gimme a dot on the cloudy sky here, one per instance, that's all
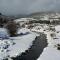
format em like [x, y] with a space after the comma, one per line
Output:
[13, 7]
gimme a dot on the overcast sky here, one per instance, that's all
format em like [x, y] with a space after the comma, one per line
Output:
[13, 7]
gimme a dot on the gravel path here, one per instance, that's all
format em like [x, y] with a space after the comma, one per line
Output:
[35, 50]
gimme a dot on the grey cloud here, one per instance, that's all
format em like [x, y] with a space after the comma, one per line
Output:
[13, 7]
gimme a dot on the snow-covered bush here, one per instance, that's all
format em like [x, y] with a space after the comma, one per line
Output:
[12, 28]
[23, 31]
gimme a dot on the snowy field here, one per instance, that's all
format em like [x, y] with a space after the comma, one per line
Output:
[14, 46]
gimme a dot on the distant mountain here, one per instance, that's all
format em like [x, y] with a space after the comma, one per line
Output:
[41, 13]
[37, 15]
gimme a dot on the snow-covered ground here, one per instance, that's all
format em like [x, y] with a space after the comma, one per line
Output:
[16, 45]
[3, 33]
[51, 52]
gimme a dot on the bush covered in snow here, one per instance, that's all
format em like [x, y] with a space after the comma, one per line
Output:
[12, 28]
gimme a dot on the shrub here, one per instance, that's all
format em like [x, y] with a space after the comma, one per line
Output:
[12, 28]
[58, 46]
[3, 21]
[0, 13]
[52, 35]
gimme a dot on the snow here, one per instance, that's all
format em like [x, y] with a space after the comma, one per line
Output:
[16, 45]
[21, 19]
[23, 31]
[50, 52]
[57, 28]
[24, 20]
[3, 33]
